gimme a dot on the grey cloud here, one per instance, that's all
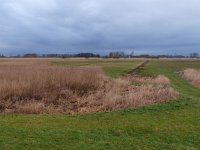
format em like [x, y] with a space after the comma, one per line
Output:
[96, 25]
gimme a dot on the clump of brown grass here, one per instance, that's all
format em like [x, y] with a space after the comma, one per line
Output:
[119, 94]
[27, 84]
[160, 79]
[32, 86]
[192, 76]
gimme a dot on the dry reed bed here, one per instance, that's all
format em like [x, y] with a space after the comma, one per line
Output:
[119, 94]
[192, 76]
[32, 86]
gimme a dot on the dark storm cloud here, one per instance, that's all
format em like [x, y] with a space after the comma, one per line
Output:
[58, 25]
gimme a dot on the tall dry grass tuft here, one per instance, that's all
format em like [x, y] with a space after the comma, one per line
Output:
[26, 84]
[192, 76]
[32, 86]
[119, 94]
[160, 79]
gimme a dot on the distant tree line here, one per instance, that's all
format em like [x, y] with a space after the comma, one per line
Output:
[34, 55]
[116, 54]
[194, 55]
[131, 55]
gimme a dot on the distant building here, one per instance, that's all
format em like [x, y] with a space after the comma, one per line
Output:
[194, 55]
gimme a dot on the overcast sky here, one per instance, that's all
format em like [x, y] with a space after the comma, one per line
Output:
[70, 26]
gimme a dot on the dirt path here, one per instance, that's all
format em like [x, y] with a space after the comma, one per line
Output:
[137, 70]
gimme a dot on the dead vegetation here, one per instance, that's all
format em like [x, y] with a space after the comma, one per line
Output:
[32, 86]
[193, 76]
[119, 94]
[160, 79]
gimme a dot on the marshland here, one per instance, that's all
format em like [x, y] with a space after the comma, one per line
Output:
[90, 99]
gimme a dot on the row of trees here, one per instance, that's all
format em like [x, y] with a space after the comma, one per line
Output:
[124, 55]
[34, 55]
[118, 54]
[194, 55]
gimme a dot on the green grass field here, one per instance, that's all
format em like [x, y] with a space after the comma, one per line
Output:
[112, 67]
[173, 125]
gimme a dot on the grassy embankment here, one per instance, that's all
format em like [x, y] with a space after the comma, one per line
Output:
[174, 125]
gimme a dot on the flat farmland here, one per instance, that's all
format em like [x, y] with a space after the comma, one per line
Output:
[112, 67]
[170, 124]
